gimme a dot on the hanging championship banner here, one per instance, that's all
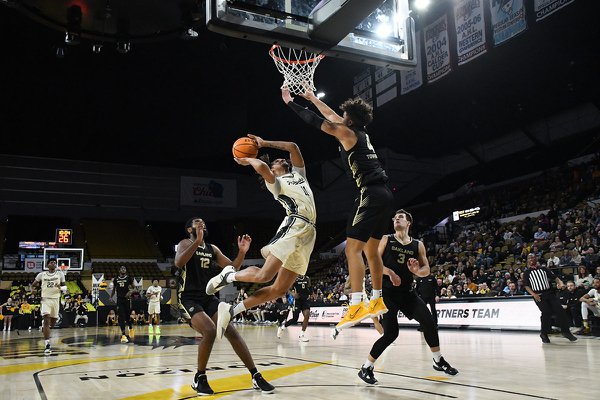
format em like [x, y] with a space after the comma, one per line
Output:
[543, 8]
[508, 19]
[470, 30]
[97, 280]
[437, 49]
[138, 282]
[412, 78]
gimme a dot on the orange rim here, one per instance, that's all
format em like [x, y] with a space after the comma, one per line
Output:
[283, 60]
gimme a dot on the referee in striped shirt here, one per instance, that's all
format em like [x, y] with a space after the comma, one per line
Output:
[537, 283]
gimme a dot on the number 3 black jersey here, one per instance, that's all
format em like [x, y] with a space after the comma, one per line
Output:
[395, 257]
[196, 273]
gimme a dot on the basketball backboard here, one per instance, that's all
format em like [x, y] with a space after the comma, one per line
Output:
[386, 37]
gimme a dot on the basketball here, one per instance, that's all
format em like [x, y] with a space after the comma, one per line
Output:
[244, 147]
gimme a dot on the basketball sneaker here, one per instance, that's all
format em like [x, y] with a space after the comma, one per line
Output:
[366, 374]
[47, 350]
[443, 365]
[220, 281]
[280, 330]
[201, 386]
[569, 335]
[302, 338]
[259, 383]
[124, 339]
[224, 315]
[377, 307]
[355, 314]
[545, 338]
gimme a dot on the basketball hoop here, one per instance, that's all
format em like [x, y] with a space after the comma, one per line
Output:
[297, 67]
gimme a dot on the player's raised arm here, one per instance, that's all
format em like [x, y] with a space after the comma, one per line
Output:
[337, 129]
[291, 147]
[323, 108]
[259, 166]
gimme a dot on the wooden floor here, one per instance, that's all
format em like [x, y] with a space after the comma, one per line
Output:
[90, 363]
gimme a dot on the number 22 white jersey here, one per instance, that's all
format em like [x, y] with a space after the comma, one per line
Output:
[50, 283]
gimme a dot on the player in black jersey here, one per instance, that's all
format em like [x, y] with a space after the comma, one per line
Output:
[301, 291]
[373, 204]
[123, 289]
[199, 262]
[403, 256]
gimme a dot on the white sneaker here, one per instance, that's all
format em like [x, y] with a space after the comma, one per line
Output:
[279, 332]
[335, 333]
[302, 338]
[47, 350]
[220, 281]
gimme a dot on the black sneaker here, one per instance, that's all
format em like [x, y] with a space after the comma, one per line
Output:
[366, 374]
[201, 386]
[569, 336]
[545, 338]
[444, 366]
[48, 350]
[259, 383]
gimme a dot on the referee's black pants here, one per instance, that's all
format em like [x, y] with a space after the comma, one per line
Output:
[550, 305]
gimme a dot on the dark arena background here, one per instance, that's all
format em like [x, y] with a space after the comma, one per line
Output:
[117, 121]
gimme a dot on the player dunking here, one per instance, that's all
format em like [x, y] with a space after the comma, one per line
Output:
[288, 253]
[122, 289]
[197, 260]
[52, 283]
[373, 205]
[403, 256]
[301, 292]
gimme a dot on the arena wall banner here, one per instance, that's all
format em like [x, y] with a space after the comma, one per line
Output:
[543, 8]
[412, 78]
[508, 19]
[470, 30]
[208, 192]
[437, 49]
[517, 314]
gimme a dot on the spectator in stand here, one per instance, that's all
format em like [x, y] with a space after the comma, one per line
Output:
[483, 290]
[566, 258]
[569, 299]
[553, 261]
[583, 278]
[511, 290]
[556, 245]
[449, 293]
[471, 286]
[540, 234]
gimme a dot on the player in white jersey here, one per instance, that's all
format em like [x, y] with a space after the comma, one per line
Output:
[53, 285]
[590, 302]
[154, 296]
[288, 253]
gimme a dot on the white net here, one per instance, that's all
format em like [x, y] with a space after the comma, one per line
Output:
[297, 67]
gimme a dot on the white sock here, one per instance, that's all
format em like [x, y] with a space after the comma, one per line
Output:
[368, 364]
[239, 308]
[355, 298]
[437, 355]
[230, 278]
[376, 294]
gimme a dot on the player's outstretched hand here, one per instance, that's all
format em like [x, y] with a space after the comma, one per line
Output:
[308, 93]
[243, 242]
[259, 141]
[285, 95]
